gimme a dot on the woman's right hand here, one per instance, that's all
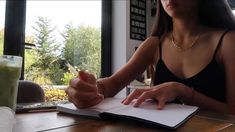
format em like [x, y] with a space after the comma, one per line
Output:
[83, 92]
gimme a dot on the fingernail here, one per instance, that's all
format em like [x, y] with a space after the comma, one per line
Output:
[159, 107]
[136, 105]
[125, 103]
[101, 95]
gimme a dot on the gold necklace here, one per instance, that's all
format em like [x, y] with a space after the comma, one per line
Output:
[182, 48]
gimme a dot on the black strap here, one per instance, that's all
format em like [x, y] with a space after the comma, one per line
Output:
[160, 51]
[219, 43]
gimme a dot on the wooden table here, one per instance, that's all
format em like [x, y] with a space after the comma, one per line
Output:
[58, 122]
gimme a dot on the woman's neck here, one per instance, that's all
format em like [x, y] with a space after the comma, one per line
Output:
[185, 32]
[185, 28]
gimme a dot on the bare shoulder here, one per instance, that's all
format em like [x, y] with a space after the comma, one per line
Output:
[149, 47]
[228, 46]
[150, 42]
[230, 37]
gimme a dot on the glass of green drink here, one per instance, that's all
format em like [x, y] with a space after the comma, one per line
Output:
[10, 70]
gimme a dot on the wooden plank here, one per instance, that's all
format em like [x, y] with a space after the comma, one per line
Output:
[202, 124]
[228, 129]
[53, 122]
[30, 122]
[217, 116]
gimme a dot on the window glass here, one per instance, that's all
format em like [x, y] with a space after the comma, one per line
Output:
[232, 3]
[58, 32]
[2, 24]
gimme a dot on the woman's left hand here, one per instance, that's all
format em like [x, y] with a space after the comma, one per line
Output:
[163, 93]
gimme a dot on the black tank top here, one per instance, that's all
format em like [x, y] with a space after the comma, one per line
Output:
[210, 81]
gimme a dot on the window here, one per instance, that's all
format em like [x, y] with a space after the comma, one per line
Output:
[232, 3]
[2, 17]
[17, 41]
[68, 32]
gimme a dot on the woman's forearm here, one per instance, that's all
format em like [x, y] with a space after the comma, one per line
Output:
[108, 86]
[193, 97]
[207, 103]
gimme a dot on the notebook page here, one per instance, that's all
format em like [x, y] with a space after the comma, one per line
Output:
[171, 115]
[105, 105]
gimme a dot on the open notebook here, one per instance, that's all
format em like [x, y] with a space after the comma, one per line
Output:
[172, 116]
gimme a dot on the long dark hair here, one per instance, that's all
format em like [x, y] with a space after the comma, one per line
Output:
[215, 14]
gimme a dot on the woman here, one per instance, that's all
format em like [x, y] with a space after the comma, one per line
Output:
[192, 49]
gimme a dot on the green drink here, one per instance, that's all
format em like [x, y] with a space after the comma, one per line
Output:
[10, 70]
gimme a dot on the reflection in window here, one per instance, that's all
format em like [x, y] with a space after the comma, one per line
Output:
[64, 31]
[2, 18]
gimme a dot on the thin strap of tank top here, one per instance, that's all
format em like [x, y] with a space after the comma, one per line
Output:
[160, 50]
[219, 43]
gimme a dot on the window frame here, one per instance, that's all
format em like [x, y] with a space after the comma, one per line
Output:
[106, 38]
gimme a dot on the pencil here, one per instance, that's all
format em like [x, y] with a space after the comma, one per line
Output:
[72, 69]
